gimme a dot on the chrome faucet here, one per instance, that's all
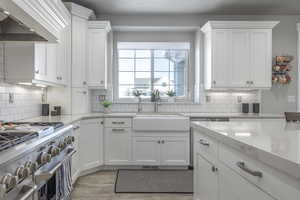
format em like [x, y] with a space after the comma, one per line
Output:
[140, 107]
[155, 97]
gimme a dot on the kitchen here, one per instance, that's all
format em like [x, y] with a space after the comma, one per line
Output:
[102, 101]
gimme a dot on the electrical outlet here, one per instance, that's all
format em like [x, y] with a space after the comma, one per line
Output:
[11, 98]
[101, 97]
[207, 99]
[239, 99]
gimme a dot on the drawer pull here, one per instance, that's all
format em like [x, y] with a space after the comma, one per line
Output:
[118, 122]
[118, 129]
[204, 143]
[243, 167]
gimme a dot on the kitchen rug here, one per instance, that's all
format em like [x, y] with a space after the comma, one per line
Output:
[154, 181]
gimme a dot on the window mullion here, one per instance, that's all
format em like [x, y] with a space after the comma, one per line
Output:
[152, 69]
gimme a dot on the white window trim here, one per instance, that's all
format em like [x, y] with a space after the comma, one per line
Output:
[159, 45]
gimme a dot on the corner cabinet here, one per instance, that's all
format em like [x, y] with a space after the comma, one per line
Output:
[238, 54]
[97, 54]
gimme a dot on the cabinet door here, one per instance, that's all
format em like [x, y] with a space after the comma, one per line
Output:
[1, 62]
[240, 59]
[117, 146]
[97, 58]
[146, 150]
[91, 144]
[40, 68]
[206, 180]
[261, 58]
[63, 57]
[232, 186]
[76, 157]
[221, 70]
[80, 101]
[51, 62]
[175, 151]
[79, 33]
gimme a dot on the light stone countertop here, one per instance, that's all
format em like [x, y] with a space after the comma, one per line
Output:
[68, 119]
[274, 141]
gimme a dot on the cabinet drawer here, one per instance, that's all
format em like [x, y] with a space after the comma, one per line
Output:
[273, 182]
[117, 122]
[205, 145]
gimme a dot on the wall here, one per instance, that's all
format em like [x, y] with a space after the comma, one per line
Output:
[284, 43]
[27, 100]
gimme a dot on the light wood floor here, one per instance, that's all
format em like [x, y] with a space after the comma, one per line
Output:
[100, 186]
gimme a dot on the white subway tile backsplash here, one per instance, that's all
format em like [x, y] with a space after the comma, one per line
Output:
[27, 102]
[221, 102]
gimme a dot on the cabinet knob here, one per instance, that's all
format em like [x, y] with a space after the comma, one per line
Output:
[101, 82]
[158, 141]
[162, 141]
[84, 92]
[57, 78]
[214, 169]
[84, 82]
[37, 71]
[214, 82]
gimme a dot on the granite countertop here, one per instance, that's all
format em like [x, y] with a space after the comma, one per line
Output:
[67, 119]
[275, 142]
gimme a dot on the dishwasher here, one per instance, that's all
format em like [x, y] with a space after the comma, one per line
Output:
[203, 119]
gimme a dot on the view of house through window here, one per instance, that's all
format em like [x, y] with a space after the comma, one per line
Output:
[149, 66]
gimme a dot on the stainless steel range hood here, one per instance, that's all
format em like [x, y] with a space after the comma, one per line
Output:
[12, 29]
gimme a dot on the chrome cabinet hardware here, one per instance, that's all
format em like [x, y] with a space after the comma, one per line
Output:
[243, 167]
[118, 129]
[162, 141]
[214, 169]
[76, 127]
[101, 82]
[37, 71]
[214, 82]
[118, 122]
[158, 141]
[84, 82]
[204, 143]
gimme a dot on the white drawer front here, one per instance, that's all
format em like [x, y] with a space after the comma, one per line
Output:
[275, 183]
[205, 145]
[118, 122]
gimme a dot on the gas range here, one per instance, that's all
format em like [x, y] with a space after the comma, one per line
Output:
[31, 154]
[14, 133]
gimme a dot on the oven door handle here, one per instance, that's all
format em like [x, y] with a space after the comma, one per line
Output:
[47, 175]
[29, 193]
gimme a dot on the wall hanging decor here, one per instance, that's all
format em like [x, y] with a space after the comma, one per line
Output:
[281, 69]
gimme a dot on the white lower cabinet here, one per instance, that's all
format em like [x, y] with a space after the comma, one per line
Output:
[164, 151]
[146, 150]
[234, 187]
[117, 146]
[76, 157]
[91, 143]
[205, 179]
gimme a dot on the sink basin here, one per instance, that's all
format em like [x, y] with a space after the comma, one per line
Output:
[160, 122]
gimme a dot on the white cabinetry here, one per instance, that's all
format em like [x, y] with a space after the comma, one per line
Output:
[161, 150]
[91, 143]
[238, 55]
[76, 157]
[1, 62]
[117, 141]
[97, 54]
[80, 100]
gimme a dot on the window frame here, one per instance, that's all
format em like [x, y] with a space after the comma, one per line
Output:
[185, 98]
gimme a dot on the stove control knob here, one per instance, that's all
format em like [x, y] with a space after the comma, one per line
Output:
[69, 139]
[54, 151]
[72, 139]
[9, 181]
[62, 145]
[32, 166]
[22, 172]
[44, 158]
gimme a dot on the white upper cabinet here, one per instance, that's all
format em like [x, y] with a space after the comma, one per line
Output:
[97, 54]
[238, 54]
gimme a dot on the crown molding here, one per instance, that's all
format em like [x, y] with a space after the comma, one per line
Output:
[79, 10]
[239, 25]
[99, 25]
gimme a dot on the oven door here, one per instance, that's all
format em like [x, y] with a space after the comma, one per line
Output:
[51, 177]
[24, 191]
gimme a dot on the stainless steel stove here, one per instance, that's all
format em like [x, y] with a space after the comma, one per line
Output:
[30, 153]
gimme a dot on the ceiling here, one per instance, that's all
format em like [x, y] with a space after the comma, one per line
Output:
[192, 6]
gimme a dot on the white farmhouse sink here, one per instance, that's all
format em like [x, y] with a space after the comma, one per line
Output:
[160, 122]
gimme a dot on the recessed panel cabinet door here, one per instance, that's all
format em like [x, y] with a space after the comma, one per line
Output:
[40, 69]
[79, 37]
[80, 101]
[146, 150]
[76, 157]
[234, 187]
[117, 146]
[175, 151]
[206, 183]
[91, 144]
[51, 61]
[221, 70]
[261, 58]
[240, 59]
[97, 58]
